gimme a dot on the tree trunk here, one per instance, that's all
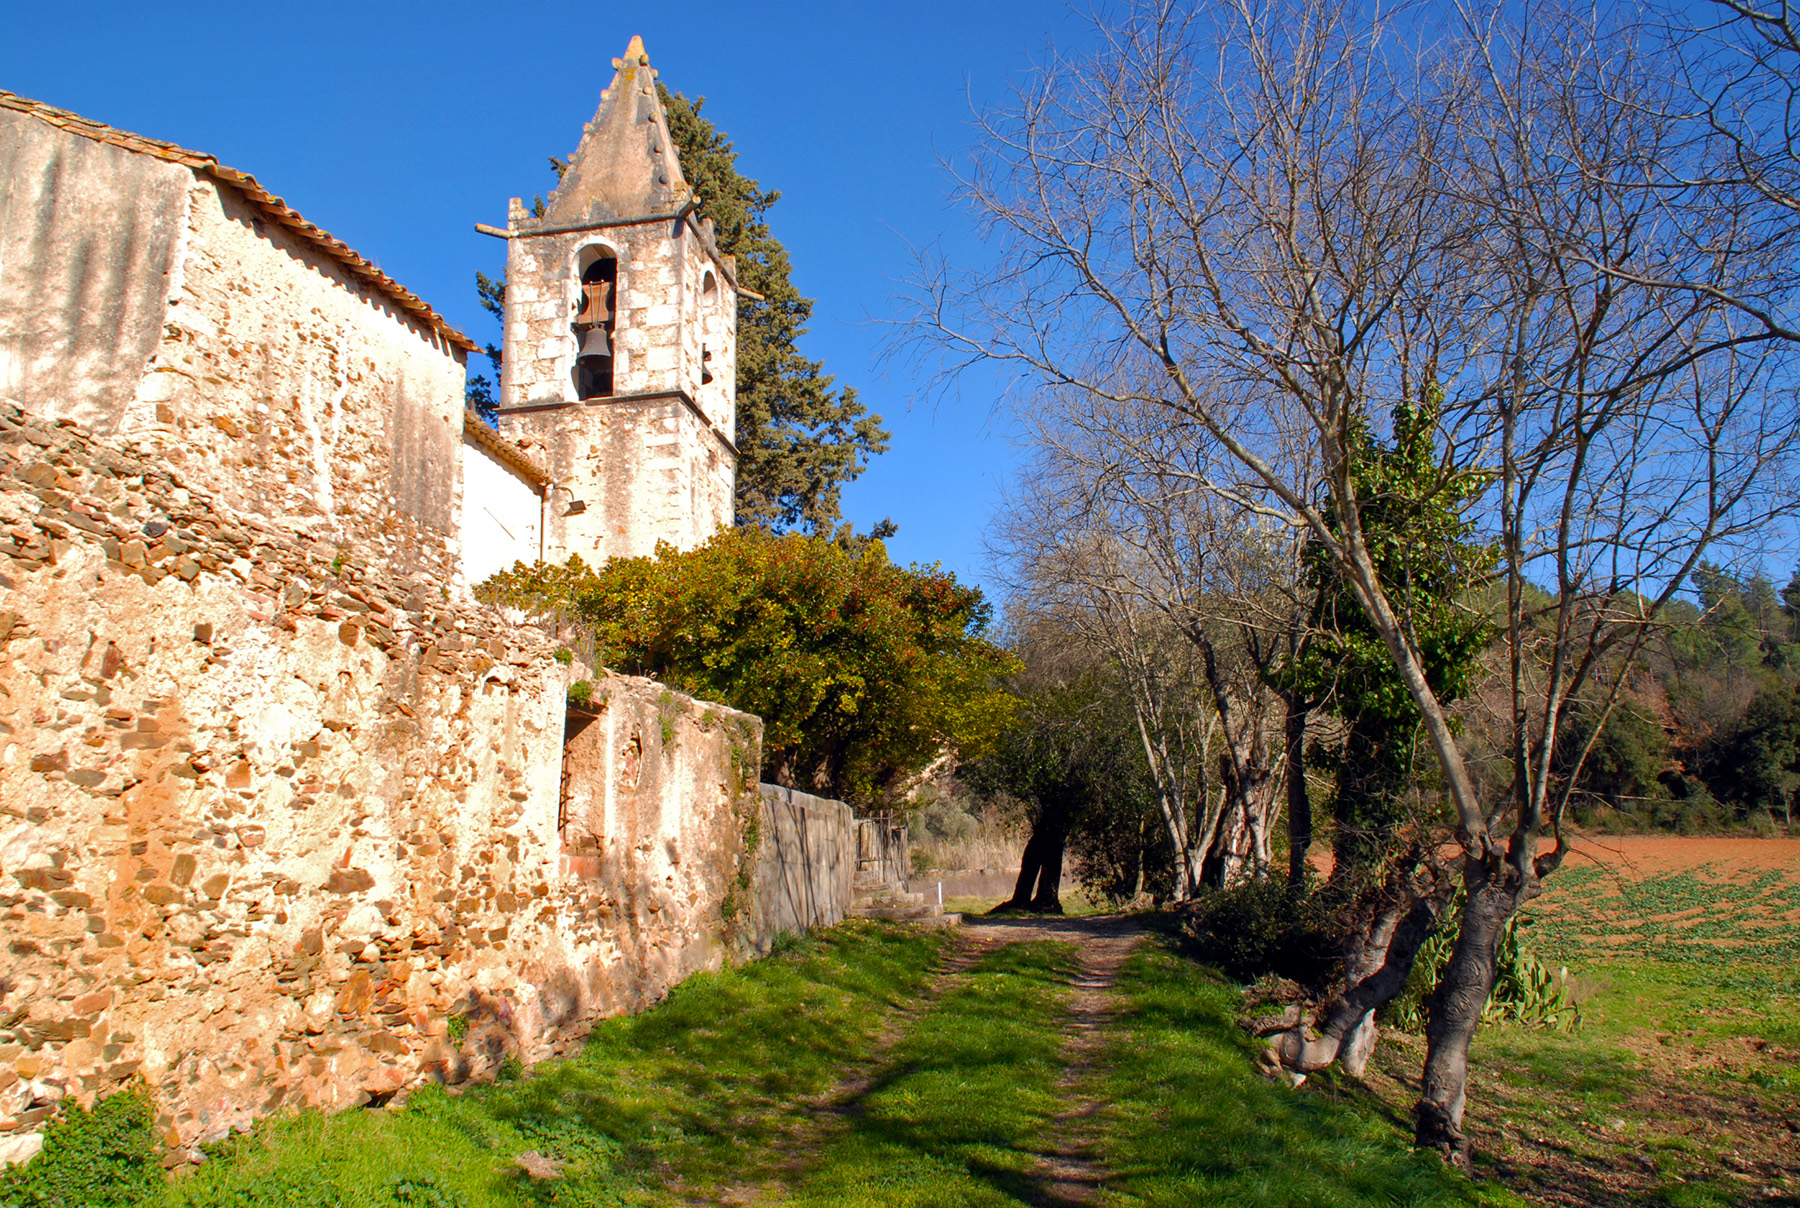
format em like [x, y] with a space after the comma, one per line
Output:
[1048, 898]
[1368, 953]
[1345, 1017]
[1299, 804]
[1040, 868]
[1224, 857]
[1456, 1006]
[1030, 862]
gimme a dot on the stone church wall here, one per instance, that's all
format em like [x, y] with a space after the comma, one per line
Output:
[272, 819]
[289, 389]
[144, 296]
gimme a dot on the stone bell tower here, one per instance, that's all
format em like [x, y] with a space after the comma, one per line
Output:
[619, 365]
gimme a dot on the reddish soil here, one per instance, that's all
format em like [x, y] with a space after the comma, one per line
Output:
[1643, 856]
[1657, 855]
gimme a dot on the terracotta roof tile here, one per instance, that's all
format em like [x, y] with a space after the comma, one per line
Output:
[246, 184]
[477, 430]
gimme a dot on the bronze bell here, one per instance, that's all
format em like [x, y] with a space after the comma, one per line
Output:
[595, 346]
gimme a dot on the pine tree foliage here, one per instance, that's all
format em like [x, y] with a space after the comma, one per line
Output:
[800, 438]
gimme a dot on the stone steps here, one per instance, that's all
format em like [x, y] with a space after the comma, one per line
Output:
[929, 914]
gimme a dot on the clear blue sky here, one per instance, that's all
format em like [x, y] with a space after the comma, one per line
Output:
[398, 126]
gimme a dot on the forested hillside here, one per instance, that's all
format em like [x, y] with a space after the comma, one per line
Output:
[1706, 733]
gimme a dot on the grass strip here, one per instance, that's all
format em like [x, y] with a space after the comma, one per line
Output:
[694, 1092]
[1188, 1121]
[969, 1093]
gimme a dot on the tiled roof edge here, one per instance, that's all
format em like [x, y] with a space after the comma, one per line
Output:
[477, 430]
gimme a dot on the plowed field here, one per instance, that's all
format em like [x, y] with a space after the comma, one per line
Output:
[1691, 900]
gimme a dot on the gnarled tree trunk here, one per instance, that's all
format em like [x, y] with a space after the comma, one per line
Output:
[1495, 892]
[1351, 1014]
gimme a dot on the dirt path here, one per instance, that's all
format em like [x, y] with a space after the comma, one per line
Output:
[1069, 1172]
[822, 1117]
[1069, 1169]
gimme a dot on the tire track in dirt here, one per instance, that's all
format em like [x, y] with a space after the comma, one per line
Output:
[820, 1118]
[1070, 1169]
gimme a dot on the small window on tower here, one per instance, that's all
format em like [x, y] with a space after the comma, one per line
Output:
[709, 324]
[594, 324]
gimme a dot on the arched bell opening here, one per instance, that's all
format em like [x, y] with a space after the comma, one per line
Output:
[596, 312]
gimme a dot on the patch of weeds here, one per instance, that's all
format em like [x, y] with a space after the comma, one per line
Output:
[1700, 1194]
[511, 1070]
[668, 710]
[457, 1027]
[1524, 991]
[339, 561]
[581, 693]
[738, 895]
[278, 1189]
[563, 655]
[110, 1157]
[791, 943]
[1261, 927]
[422, 1191]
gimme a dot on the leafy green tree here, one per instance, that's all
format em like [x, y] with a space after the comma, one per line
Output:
[800, 439]
[1790, 607]
[1728, 622]
[482, 393]
[863, 672]
[1631, 757]
[1073, 759]
[1761, 768]
[1414, 516]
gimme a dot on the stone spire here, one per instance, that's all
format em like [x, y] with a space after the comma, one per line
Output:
[626, 165]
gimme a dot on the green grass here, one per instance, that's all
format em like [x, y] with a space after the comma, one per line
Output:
[1189, 1122]
[691, 1094]
[1075, 903]
[956, 1119]
[1677, 1074]
[724, 1085]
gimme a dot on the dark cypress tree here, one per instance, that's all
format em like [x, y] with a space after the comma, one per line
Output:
[800, 439]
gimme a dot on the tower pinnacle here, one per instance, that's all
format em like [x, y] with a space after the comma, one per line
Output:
[626, 166]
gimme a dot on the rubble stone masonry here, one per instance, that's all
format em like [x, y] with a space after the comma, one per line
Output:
[273, 815]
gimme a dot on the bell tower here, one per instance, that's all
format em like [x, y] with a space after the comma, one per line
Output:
[619, 362]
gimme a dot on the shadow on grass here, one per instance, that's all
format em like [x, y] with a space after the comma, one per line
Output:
[958, 1115]
[690, 1094]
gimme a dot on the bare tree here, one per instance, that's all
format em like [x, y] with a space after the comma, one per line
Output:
[1299, 210]
[1739, 105]
[1067, 557]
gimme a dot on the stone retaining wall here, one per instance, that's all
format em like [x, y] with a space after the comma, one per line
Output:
[271, 819]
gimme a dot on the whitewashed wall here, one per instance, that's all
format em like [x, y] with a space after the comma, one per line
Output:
[501, 515]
